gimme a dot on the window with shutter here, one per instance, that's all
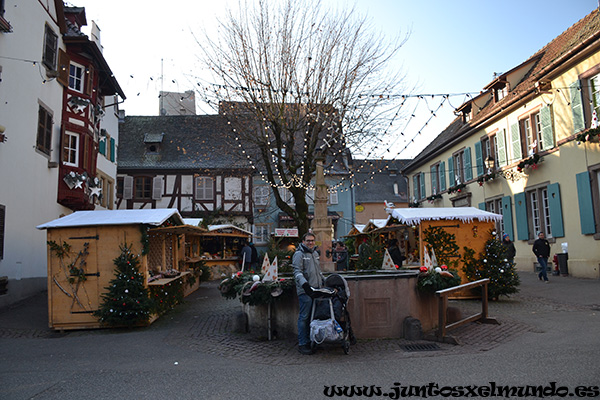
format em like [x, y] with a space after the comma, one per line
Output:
[479, 156]
[127, 187]
[50, 49]
[442, 176]
[157, 187]
[588, 195]
[333, 197]
[468, 164]
[44, 134]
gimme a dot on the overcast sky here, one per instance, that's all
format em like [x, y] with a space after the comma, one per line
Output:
[454, 47]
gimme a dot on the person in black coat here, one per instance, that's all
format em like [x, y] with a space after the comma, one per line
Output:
[395, 253]
[509, 248]
[541, 249]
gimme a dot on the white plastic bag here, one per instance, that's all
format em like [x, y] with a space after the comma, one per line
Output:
[325, 330]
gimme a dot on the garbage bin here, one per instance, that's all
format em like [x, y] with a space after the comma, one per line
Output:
[563, 266]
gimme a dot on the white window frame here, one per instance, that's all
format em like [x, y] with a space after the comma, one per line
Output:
[204, 188]
[333, 197]
[539, 207]
[459, 167]
[71, 149]
[261, 195]
[286, 196]
[495, 206]
[76, 80]
[262, 233]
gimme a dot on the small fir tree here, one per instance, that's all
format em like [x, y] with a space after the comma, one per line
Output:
[443, 244]
[126, 302]
[492, 264]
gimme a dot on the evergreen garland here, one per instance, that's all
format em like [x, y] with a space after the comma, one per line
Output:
[492, 264]
[126, 301]
[254, 292]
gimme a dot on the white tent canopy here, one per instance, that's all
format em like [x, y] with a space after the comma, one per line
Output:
[114, 217]
[414, 216]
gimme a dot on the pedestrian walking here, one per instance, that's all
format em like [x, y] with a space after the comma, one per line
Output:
[541, 249]
[509, 248]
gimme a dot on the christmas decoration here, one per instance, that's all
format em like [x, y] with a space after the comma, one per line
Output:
[255, 292]
[387, 261]
[443, 244]
[492, 264]
[270, 273]
[431, 280]
[126, 301]
[590, 135]
[530, 162]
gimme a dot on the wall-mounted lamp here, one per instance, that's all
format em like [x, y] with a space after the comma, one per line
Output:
[490, 163]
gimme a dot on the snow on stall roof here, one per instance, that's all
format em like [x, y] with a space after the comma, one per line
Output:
[113, 217]
[414, 216]
[226, 226]
[192, 221]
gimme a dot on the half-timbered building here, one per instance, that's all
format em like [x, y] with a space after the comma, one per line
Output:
[189, 162]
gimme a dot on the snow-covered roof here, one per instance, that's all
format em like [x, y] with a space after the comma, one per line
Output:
[414, 216]
[192, 221]
[227, 226]
[378, 223]
[359, 227]
[114, 217]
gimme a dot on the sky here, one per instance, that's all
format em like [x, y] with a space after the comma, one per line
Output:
[454, 47]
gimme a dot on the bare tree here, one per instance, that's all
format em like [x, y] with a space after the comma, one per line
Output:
[298, 81]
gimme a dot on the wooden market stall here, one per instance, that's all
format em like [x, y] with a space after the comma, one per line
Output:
[222, 245]
[94, 240]
[469, 225]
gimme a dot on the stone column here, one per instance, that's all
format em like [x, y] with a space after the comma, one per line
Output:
[321, 224]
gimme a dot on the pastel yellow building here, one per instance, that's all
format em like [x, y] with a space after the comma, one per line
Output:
[527, 148]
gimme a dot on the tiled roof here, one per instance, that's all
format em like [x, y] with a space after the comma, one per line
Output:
[189, 142]
[544, 61]
[380, 185]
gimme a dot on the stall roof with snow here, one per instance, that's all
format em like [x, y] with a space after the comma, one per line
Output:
[414, 216]
[114, 217]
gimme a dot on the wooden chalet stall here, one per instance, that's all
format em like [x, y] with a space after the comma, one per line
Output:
[221, 246]
[470, 226]
[95, 239]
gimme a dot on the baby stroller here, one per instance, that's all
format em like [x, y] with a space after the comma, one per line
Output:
[330, 320]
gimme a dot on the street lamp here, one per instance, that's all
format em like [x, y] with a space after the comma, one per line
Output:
[489, 163]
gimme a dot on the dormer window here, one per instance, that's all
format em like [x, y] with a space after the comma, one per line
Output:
[500, 92]
[153, 142]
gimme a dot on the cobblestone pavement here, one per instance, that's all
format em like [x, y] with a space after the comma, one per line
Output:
[204, 324]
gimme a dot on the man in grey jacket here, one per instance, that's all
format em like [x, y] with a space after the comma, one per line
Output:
[307, 274]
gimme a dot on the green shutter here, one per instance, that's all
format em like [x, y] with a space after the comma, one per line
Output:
[554, 203]
[442, 176]
[521, 216]
[515, 140]
[451, 181]
[481, 206]
[507, 219]
[479, 159]
[102, 147]
[433, 179]
[468, 165]
[501, 142]
[547, 132]
[577, 107]
[586, 207]
[112, 149]
[423, 194]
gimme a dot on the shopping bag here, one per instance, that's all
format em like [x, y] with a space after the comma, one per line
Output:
[325, 330]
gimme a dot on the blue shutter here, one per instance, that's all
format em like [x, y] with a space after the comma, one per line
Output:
[442, 176]
[521, 216]
[586, 207]
[501, 142]
[102, 147]
[479, 159]
[433, 180]
[515, 140]
[112, 149]
[556, 219]
[468, 165]
[451, 181]
[481, 206]
[423, 194]
[577, 107]
[507, 218]
[547, 132]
